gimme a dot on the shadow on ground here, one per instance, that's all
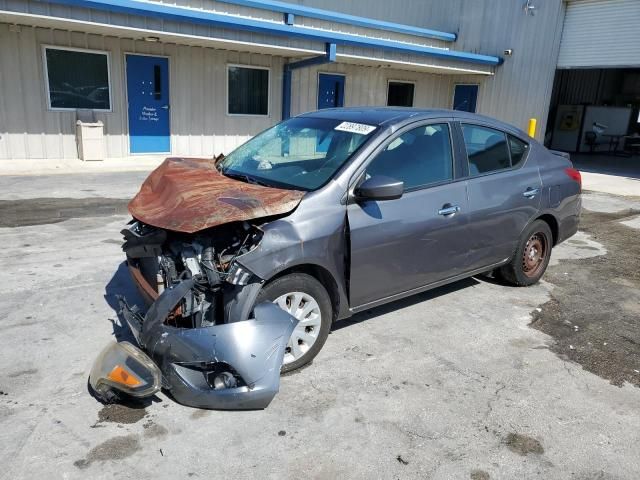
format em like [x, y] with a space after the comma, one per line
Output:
[121, 284]
[619, 166]
[405, 302]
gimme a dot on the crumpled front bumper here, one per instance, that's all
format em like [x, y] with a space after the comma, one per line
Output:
[232, 366]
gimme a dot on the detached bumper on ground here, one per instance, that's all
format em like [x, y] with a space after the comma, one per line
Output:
[231, 366]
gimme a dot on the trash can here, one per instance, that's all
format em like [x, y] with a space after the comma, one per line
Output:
[90, 139]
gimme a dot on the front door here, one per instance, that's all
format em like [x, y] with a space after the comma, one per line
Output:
[465, 98]
[330, 91]
[148, 97]
[420, 238]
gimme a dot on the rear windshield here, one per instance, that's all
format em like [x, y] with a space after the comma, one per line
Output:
[300, 153]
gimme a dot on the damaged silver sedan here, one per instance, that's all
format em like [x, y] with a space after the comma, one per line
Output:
[246, 262]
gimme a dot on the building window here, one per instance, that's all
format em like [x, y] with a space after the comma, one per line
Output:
[400, 94]
[248, 89]
[465, 98]
[77, 79]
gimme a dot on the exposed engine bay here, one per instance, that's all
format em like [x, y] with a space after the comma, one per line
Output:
[164, 258]
[199, 341]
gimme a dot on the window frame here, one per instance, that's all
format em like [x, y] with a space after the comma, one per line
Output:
[45, 67]
[358, 176]
[463, 146]
[252, 67]
[526, 151]
[408, 82]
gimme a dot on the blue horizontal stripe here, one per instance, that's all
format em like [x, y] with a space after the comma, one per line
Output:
[168, 12]
[310, 12]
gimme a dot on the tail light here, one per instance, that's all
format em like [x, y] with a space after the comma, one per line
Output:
[574, 175]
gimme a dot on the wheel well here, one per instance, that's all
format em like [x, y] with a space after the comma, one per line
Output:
[323, 276]
[553, 225]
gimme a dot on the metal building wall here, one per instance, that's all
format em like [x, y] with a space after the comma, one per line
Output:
[520, 89]
[522, 86]
[199, 123]
[102, 18]
[368, 86]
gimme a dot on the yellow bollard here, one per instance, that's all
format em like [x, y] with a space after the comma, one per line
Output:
[532, 127]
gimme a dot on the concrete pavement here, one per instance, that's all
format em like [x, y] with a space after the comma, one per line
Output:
[453, 383]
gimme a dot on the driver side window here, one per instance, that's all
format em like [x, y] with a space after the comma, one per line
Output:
[419, 157]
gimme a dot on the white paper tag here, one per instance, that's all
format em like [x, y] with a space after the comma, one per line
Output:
[359, 128]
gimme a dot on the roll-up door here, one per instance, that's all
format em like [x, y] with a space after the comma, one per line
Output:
[601, 33]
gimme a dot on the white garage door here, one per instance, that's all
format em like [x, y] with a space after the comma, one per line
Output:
[601, 33]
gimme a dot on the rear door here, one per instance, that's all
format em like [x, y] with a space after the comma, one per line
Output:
[420, 238]
[504, 191]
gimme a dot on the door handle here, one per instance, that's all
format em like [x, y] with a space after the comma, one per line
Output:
[448, 210]
[165, 107]
[531, 192]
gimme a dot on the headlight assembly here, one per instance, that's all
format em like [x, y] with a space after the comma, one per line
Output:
[238, 274]
[122, 367]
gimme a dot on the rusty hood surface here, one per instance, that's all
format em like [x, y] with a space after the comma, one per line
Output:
[188, 195]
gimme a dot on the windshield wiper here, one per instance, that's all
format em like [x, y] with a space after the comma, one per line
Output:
[245, 178]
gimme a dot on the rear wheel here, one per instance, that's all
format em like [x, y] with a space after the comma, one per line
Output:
[531, 257]
[305, 298]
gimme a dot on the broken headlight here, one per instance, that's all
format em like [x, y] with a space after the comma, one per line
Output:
[238, 274]
[122, 367]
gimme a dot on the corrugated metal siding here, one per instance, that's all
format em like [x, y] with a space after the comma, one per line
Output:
[368, 86]
[199, 124]
[520, 89]
[149, 23]
[89, 15]
[260, 14]
[577, 86]
[600, 33]
[522, 86]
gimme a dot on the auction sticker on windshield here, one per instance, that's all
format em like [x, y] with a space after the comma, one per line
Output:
[359, 128]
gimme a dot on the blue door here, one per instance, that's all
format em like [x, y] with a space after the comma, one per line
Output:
[330, 95]
[330, 91]
[148, 96]
[465, 98]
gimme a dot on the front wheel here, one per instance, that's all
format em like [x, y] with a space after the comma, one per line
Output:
[532, 256]
[305, 298]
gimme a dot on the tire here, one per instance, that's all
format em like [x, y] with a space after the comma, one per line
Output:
[297, 292]
[531, 258]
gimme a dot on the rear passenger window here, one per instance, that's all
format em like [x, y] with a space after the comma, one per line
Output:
[419, 157]
[487, 149]
[518, 150]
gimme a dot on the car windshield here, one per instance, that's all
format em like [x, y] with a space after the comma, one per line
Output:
[300, 153]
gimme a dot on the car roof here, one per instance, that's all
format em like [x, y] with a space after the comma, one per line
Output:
[391, 116]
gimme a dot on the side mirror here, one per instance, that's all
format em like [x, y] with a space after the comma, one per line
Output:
[379, 187]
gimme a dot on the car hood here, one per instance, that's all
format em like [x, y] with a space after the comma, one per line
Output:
[188, 195]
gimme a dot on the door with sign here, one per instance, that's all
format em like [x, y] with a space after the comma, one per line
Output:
[148, 104]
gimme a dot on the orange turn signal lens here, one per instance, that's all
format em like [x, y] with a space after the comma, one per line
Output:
[120, 375]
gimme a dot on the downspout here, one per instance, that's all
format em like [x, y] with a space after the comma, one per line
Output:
[328, 57]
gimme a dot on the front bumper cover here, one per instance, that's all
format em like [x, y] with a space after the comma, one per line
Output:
[248, 353]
